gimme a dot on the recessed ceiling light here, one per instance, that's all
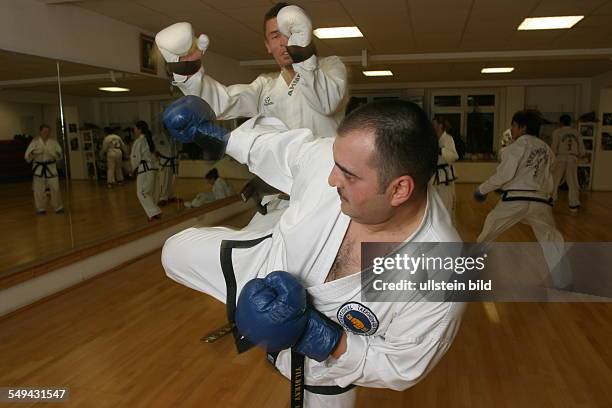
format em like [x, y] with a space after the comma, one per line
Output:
[378, 73]
[337, 32]
[113, 89]
[549, 23]
[497, 70]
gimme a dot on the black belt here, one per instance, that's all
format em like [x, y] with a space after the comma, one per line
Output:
[145, 167]
[242, 344]
[46, 171]
[227, 246]
[525, 198]
[443, 167]
[169, 162]
[315, 389]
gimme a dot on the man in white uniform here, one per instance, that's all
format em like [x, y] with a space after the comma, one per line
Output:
[308, 92]
[568, 147]
[114, 148]
[444, 178]
[525, 178]
[369, 185]
[43, 152]
[168, 167]
[144, 166]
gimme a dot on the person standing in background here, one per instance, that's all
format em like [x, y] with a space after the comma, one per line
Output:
[144, 166]
[168, 167]
[43, 153]
[568, 147]
[113, 147]
[444, 178]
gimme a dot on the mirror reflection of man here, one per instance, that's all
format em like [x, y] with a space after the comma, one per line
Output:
[43, 153]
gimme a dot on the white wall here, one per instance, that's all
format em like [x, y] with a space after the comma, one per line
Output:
[602, 166]
[72, 33]
[19, 118]
[84, 105]
[551, 98]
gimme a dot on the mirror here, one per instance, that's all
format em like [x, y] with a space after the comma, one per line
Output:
[120, 139]
[34, 216]
[95, 208]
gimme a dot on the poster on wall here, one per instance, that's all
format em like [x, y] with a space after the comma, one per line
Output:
[606, 141]
[586, 130]
[74, 144]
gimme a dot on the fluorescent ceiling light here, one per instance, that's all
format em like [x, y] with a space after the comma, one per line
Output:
[378, 73]
[497, 70]
[113, 89]
[549, 23]
[337, 32]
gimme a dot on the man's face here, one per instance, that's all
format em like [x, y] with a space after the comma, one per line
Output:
[276, 44]
[44, 133]
[357, 180]
[516, 130]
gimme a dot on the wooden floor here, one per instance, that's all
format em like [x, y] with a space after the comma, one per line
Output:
[130, 338]
[95, 214]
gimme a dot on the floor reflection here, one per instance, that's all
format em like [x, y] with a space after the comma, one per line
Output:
[96, 213]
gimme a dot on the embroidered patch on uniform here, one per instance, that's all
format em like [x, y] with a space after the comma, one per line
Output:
[358, 319]
[268, 101]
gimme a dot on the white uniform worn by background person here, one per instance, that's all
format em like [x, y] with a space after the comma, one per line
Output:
[525, 176]
[145, 167]
[114, 147]
[168, 166]
[568, 147]
[220, 189]
[407, 338]
[43, 156]
[444, 178]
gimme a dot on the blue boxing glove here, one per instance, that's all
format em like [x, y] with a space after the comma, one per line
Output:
[478, 196]
[273, 312]
[189, 120]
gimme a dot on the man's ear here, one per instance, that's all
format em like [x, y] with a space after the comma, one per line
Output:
[401, 190]
[267, 47]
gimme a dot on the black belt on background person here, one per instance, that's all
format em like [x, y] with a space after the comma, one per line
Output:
[46, 171]
[443, 167]
[505, 197]
[242, 344]
[169, 162]
[145, 167]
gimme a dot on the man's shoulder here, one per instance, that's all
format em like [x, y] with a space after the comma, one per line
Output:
[268, 76]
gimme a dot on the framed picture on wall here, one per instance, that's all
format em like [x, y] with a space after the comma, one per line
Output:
[606, 141]
[587, 130]
[148, 63]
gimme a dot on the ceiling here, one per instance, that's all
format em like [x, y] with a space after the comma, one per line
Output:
[396, 27]
[31, 73]
[390, 27]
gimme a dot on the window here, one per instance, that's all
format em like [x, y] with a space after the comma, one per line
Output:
[472, 116]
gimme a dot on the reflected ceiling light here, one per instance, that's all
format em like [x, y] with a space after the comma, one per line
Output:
[549, 23]
[378, 73]
[497, 70]
[113, 89]
[337, 32]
